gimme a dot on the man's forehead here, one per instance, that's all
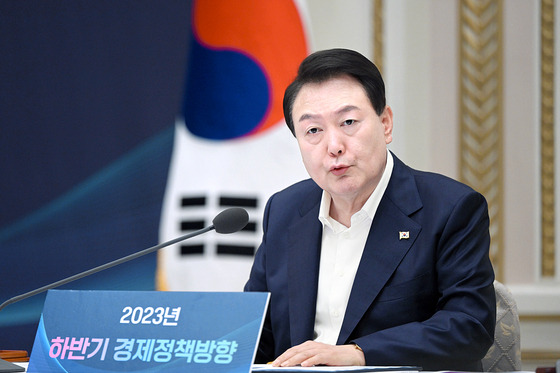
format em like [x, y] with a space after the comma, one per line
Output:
[312, 92]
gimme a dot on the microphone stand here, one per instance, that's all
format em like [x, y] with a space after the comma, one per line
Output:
[103, 267]
[6, 366]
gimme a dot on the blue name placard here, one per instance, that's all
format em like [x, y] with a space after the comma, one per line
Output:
[148, 331]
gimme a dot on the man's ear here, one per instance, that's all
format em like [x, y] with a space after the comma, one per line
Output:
[387, 121]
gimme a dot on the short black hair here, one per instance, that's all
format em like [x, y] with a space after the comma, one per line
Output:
[323, 65]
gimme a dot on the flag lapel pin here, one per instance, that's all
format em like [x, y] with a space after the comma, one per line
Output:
[404, 235]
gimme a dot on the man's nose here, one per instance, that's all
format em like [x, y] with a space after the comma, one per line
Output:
[335, 144]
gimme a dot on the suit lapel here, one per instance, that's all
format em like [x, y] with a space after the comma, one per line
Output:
[384, 247]
[303, 268]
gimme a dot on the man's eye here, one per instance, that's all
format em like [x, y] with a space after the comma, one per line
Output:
[349, 122]
[313, 131]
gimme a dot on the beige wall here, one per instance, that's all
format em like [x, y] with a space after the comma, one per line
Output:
[421, 70]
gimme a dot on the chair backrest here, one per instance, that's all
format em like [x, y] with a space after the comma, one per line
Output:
[505, 353]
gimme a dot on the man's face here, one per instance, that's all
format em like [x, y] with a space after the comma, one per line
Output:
[343, 142]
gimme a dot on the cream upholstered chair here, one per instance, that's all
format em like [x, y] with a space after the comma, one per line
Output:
[505, 353]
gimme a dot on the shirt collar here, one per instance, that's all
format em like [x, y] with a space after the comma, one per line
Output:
[368, 209]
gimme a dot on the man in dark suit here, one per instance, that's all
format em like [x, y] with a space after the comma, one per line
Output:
[369, 262]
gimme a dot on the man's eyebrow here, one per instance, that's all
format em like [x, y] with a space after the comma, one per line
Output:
[342, 110]
[307, 116]
[346, 109]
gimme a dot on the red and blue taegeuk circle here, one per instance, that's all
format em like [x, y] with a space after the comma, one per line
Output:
[242, 56]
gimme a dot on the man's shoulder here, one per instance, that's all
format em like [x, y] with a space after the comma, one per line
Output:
[440, 180]
[432, 180]
[433, 189]
[302, 192]
[293, 201]
[307, 185]
[443, 186]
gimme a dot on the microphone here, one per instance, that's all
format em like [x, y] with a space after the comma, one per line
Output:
[231, 220]
[228, 221]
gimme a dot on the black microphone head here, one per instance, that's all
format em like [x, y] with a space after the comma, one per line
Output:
[231, 220]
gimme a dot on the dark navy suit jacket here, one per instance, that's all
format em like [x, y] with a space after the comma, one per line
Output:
[426, 300]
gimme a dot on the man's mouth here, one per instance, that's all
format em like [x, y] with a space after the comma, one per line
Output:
[339, 170]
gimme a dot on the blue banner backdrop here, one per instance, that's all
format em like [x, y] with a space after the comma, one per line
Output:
[89, 92]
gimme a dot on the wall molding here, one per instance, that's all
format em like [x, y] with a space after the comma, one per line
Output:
[548, 248]
[540, 355]
[480, 111]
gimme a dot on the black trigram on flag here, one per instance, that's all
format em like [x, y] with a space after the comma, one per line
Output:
[193, 220]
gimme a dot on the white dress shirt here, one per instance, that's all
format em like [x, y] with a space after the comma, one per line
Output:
[341, 252]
